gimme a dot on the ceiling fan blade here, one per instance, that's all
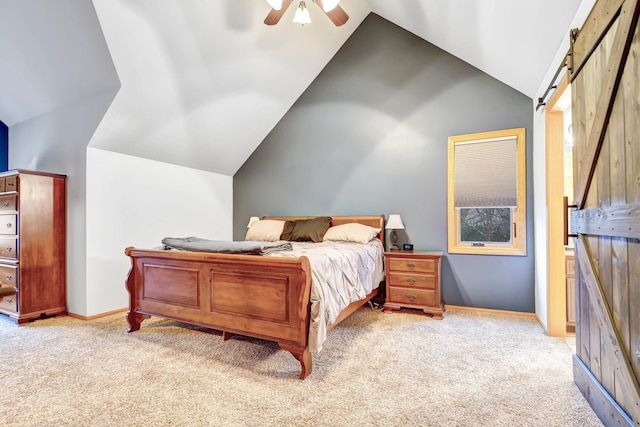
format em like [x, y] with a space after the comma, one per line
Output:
[337, 15]
[274, 15]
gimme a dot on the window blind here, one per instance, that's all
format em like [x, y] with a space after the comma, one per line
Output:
[486, 173]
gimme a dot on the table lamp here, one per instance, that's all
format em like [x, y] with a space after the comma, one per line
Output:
[394, 223]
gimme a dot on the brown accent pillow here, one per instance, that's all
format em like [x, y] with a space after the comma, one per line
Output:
[306, 230]
[287, 230]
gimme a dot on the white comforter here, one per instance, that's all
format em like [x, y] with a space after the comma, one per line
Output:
[342, 272]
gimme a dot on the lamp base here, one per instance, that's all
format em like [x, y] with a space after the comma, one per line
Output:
[394, 241]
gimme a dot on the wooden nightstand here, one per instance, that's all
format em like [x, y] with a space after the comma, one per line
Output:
[413, 281]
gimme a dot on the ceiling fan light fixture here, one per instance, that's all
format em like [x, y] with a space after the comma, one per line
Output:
[329, 5]
[275, 4]
[302, 14]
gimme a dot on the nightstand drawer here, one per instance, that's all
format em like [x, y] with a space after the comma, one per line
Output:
[412, 296]
[408, 264]
[422, 281]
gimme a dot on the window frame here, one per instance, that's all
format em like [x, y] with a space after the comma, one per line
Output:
[517, 246]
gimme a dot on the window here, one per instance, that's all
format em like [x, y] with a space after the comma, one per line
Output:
[487, 193]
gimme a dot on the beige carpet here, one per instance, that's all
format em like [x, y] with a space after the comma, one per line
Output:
[376, 369]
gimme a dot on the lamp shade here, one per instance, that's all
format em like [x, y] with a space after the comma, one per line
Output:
[394, 222]
[276, 4]
[252, 220]
[302, 14]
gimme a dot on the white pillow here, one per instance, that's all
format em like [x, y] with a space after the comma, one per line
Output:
[351, 232]
[266, 230]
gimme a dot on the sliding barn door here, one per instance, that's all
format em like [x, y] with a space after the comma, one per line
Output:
[604, 70]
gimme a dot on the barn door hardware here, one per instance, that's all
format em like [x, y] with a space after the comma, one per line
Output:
[552, 85]
[567, 206]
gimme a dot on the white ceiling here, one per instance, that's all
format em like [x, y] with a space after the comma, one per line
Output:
[204, 81]
[52, 54]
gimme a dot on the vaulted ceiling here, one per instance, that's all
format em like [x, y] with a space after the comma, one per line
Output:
[204, 81]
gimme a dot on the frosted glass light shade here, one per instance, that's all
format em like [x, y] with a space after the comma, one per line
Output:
[302, 14]
[394, 222]
[329, 5]
[252, 220]
[276, 4]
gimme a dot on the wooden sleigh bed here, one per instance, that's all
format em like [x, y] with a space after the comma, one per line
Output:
[258, 296]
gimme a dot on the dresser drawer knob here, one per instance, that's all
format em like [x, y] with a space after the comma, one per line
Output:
[9, 248]
[9, 277]
[9, 299]
[411, 280]
[411, 297]
[9, 225]
[6, 204]
[411, 265]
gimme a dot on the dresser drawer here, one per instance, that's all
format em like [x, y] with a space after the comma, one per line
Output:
[8, 224]
[421, 281]
[412, 296]
[11, 183]
[8, 279]
[8, 247]
[9, 303]
[408, 264]
[8, 203]
[8, 275]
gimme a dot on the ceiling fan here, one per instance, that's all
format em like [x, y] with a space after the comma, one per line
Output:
[336, 14]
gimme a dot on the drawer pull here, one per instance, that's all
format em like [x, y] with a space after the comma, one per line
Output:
[9, 248]
[9, 299]
[9, 277]
[411, 265]
[411, 280]
[6, 204]
[9, 225]
[411, 297]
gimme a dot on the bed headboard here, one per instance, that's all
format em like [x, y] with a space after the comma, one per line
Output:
[376, 221]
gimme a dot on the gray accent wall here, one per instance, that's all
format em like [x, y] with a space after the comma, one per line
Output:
[369, 136]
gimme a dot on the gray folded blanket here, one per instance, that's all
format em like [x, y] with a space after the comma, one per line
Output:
[226, 247]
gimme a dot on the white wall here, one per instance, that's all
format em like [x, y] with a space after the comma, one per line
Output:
[115, 200]
[56, 142]
[539, 169]
[136, 202]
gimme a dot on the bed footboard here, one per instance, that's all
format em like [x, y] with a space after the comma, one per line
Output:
[261, 297]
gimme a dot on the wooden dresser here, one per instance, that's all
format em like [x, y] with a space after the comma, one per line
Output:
[413, 281]
[32, 245]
